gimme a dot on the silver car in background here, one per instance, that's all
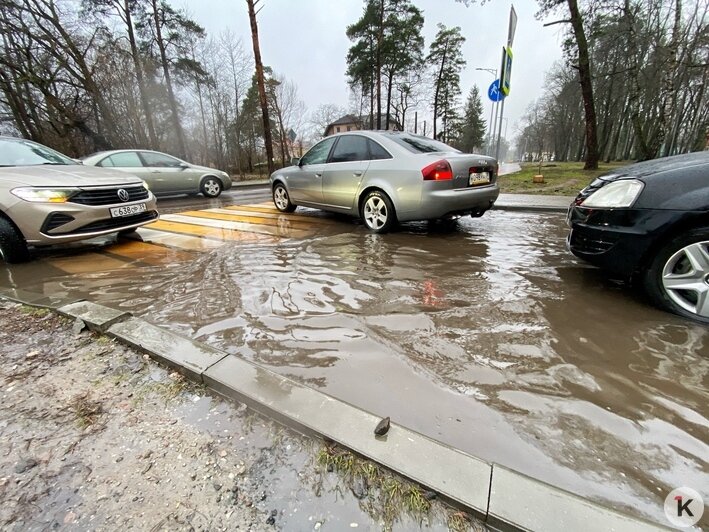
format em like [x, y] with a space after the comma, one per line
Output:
[385, 177]
[47, 198]
[164, 174]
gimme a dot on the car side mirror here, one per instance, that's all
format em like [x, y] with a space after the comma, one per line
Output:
[295, 161]
[78, 161]
[183, 166]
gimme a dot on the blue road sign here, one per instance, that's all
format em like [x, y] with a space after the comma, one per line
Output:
[494, 92]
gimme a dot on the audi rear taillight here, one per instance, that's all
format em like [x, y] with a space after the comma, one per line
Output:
[438, 171]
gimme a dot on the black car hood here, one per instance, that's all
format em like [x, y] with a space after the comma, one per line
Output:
[658, 166]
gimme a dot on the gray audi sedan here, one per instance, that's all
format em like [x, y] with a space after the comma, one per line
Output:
[164, 174]
[47, 198]
[385, 177]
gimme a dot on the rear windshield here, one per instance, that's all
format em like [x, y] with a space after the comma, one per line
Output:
[26, 153]
[418, 144]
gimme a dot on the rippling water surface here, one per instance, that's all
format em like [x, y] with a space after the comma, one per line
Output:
[488, 336]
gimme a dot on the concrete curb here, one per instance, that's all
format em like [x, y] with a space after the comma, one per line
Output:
[500, 205]
[530, 208]
[256, 183]
[507, 500]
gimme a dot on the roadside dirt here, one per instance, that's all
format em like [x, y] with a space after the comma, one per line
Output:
[94, 435]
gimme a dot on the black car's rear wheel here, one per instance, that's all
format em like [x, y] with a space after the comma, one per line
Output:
[377, 212]
[678, 277]
[13, 247]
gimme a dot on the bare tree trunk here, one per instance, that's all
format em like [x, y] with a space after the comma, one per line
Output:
[586, 80]
[137, 64]
[380, 38]
[438, 90]
[172, 100]
[261, 85]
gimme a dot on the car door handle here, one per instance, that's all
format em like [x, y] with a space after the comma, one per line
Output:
[318, 175]
[358, 174]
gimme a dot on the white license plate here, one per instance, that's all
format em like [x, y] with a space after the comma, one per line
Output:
[128, 210]
[479, 178]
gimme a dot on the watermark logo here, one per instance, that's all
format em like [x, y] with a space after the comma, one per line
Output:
[684, 507]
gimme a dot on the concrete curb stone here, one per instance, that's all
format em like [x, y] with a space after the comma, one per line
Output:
[186, 356]
[97, 317]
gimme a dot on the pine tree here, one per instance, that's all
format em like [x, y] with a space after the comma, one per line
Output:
[388, 43]
[446, 58]
[471, 135]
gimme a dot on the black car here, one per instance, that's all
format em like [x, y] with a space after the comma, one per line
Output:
[649, 223]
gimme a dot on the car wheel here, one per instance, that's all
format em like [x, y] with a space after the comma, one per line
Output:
[377, 212]
[281, 199]
[678, 277]
[13, 247]
[211, 187]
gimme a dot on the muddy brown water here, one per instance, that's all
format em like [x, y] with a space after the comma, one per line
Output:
[487, 336]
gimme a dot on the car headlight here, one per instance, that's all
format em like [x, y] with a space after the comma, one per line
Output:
[621, 193]
[146, 186]
[44, 195]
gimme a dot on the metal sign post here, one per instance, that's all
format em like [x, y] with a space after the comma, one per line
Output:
[505, 74]
[495, 95]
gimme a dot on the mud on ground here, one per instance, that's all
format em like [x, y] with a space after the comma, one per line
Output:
[94, 435]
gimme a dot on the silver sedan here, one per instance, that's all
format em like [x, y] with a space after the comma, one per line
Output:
[385, 177]
[164, 174]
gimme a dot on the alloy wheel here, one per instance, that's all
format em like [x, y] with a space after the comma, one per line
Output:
[375, 212]
[280, 197]
[685, 278]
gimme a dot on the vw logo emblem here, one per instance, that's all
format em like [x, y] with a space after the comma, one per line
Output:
[123, 195]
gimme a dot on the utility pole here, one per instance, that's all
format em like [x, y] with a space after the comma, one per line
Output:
[493, 109]
[261, 84]
[416, 123]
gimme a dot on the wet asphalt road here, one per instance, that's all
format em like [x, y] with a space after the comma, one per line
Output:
[487, 335]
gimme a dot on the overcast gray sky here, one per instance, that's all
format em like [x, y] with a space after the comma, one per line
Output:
[305, 41]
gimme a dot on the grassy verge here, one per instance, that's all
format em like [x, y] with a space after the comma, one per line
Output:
[559, 178]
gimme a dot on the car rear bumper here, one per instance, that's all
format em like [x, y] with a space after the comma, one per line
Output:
[618, 240]
[441, 203]
[54, 223]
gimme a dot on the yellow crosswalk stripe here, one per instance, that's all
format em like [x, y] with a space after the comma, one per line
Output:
[208, 232]
[87, 263]
[283, 231]
[147, 252]
[231, 216]
[319, 217]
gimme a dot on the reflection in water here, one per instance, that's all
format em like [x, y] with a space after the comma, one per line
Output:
[488, 336]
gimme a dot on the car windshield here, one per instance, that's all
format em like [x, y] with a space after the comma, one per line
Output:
[419, 144]
[19, 152]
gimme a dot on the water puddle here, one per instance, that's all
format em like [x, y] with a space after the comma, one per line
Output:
[488, 336]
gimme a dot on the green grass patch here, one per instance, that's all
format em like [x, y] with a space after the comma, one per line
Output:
[34, 312]
[388, 495]
[566, 178]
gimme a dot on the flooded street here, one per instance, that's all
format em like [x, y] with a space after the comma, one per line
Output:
[486, 335]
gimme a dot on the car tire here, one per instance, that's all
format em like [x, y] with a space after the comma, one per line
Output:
[13, 248]
[678, 277]
[281, 198]
[377, 212]
[211, 187]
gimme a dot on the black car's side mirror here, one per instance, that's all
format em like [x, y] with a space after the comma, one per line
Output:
[295, 161]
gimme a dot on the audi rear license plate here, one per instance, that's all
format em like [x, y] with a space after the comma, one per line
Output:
[128, 210]
[478, 178]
